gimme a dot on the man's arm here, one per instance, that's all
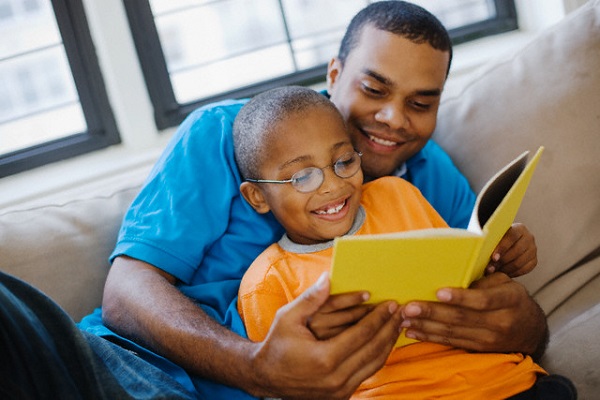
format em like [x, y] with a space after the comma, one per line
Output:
[496, 314]
[141, 302]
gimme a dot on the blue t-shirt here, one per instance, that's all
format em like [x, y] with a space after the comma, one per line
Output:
[191, 221]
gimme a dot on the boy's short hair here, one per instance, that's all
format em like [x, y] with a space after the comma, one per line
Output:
[400, 18]
[259, 119]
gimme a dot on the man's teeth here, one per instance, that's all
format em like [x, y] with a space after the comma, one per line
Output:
[382, 141]
[332, 210]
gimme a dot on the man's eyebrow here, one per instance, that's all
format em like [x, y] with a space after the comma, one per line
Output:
[377, 77]
[386, 81]
[429, 92]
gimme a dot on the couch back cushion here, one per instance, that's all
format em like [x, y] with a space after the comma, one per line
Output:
[62, 247]
[547, 93]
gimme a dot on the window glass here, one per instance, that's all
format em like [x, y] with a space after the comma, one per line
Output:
[214, 47]
[39, 99]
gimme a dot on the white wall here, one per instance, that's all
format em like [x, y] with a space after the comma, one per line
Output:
[142, 142]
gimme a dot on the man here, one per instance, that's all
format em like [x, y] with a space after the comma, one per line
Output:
[188, 237]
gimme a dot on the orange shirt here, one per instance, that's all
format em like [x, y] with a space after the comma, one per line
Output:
[420, 370]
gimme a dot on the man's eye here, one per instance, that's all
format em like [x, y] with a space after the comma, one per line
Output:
[421, 106]
[371, 90]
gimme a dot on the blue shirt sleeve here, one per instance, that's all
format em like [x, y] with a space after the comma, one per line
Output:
[189, 218]
[441, 183]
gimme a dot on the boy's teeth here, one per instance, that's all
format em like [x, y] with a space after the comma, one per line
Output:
[382, 141]
[332, 210]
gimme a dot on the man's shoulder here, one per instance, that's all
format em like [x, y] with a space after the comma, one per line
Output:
[431, 153]
[225, 107]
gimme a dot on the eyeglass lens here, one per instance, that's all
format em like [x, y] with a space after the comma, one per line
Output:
[309, 179]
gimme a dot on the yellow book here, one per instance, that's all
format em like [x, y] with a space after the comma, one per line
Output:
[413, 265]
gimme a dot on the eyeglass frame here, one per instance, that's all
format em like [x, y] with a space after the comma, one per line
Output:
[292, 179]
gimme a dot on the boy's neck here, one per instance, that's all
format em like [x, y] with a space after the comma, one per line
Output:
[288, 245]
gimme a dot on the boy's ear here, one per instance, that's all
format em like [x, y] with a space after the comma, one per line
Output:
[333, 70]
[254, 195]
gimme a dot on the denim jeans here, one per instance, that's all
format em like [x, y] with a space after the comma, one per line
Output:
[550, 387]
[43, 355]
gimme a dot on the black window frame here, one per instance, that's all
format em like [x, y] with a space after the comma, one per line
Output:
[168, 112]
[101, 126]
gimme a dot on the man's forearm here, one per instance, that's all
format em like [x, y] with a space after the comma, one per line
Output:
[544, 337]
[172, 325]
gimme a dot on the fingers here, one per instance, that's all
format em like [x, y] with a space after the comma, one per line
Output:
[338, 312]
[344, 301]
[327, 325]
[372, 339]
[490, 316]
[516, 254]
[309, 302]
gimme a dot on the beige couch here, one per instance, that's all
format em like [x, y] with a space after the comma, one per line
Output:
[545, 94]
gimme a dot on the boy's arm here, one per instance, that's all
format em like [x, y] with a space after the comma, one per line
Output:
[141, 302]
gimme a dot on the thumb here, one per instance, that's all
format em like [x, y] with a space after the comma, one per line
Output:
[309, 302]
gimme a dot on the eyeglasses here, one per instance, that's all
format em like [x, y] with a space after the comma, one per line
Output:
[310, 179]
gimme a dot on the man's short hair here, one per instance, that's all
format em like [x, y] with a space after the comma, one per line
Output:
[400, 18]
[258, 121]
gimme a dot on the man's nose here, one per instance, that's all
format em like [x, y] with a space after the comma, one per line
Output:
[392, 115]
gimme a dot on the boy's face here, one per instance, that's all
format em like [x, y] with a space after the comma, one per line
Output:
[317, 138]
[388, 91]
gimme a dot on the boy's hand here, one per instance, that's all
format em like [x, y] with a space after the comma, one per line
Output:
[338, 313]
[516, 254]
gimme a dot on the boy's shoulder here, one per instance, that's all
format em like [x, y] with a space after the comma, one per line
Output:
[391, 184]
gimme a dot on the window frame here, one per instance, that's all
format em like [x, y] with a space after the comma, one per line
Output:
[168, 112]
[101, 125]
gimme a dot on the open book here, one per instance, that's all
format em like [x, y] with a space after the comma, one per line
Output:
[413, 265]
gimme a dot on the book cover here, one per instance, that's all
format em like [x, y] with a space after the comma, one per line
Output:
[413, 265]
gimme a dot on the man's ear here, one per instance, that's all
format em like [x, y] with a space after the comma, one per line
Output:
[333, 71]
[255, 197]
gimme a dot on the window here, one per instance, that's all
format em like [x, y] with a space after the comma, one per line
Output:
[191, 51]
[53, 104]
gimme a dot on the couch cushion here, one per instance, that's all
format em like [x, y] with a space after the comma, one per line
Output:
[547, 93]
[62, 247]
[574, 344]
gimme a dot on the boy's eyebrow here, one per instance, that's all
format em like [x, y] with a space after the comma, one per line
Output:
[296, 160]
[386, 81]
[300, 159]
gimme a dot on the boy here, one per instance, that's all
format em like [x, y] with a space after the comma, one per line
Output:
[292, 148]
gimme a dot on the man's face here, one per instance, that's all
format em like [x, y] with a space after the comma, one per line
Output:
[389, 92]
[317, 138]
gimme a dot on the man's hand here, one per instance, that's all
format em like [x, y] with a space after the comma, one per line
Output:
[338, 313]
[292, 359]
[516, 254]
[495, 315]
[143, 303]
